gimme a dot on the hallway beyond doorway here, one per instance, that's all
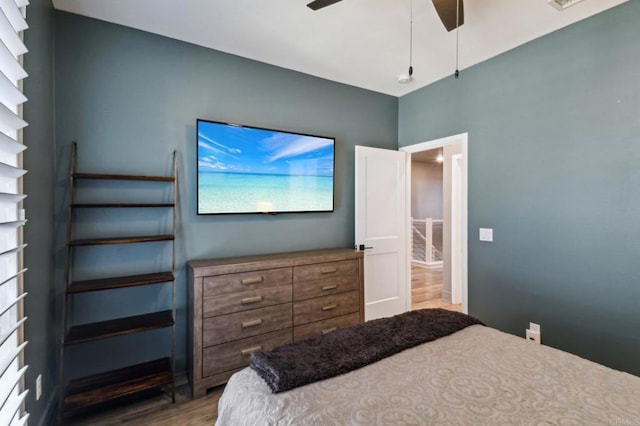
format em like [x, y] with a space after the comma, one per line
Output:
[426, 289]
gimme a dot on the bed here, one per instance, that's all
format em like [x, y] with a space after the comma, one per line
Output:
[475, 376]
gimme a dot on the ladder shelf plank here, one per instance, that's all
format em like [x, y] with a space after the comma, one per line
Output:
[107, 176]
[120, 205]
[99, 388]
[118, 327]
[119, 282]
[121, 240]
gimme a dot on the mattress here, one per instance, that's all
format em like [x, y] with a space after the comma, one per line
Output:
[476, 376]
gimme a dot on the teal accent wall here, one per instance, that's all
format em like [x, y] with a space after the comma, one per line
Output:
[41, 327]
[554, 154]
[129, 98]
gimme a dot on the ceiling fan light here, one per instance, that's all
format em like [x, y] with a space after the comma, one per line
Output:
[562, 4]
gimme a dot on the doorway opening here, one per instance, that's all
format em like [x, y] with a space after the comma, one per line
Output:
[437, 223]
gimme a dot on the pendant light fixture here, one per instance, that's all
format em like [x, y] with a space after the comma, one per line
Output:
[406, 78]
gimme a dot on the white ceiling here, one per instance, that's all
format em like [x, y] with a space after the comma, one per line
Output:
[363, 43]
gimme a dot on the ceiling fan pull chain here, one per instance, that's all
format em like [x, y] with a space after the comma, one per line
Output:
[410, 38]
[457, 73]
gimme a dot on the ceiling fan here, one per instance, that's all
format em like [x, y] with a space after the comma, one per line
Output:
[446, 10]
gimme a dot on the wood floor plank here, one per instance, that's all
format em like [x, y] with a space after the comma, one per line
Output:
[158, 411]
[426, 289]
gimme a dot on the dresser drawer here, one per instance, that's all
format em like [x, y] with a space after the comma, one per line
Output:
[245, 300]
[325, 270]
[225, 328]
[230, 283]
[323, 327]
[324, 287]
[325, 307]
[233, 355]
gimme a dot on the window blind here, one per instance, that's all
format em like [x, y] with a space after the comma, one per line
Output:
[12, 217]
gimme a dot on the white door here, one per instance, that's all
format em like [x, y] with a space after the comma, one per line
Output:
[380, 188]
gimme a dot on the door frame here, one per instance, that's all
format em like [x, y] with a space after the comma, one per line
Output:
[461, 139]
[456, 237]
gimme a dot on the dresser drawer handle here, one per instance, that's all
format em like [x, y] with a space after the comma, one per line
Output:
[252, 280]
[329, 330]
[329, 287]
[249, 300]
[253, 323]
[329, 271]
[329, 307]
[252, 349]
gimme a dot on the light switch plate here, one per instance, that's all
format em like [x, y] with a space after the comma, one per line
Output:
[486, 234]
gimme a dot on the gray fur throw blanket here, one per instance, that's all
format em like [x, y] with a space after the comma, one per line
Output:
[310, 360]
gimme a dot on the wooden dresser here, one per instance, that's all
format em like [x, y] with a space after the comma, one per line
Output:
[252, 303]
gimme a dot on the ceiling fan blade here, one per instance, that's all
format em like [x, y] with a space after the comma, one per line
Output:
[319, 4]
[447, 12]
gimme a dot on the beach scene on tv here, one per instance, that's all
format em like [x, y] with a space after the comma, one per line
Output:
[250, 170]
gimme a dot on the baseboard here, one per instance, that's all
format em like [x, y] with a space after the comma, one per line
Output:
[50, 411]
[427, 265]
[434, 265]
[181, 379]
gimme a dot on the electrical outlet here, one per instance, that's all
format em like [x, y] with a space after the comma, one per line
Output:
[533, 337]
[39, 386]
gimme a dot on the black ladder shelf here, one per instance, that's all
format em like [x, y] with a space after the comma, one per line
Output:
[81, 394]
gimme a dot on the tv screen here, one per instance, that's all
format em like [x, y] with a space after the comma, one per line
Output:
[244, 169]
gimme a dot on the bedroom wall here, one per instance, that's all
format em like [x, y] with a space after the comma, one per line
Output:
[426, 190]
[553, 169]
[129, 98]
[41, 327]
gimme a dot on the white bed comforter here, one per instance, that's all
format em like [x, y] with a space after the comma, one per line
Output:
[477, 376]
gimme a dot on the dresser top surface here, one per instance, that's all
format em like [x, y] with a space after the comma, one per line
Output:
[206, 267]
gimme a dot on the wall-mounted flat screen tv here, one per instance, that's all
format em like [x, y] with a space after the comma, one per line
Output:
[244, 169]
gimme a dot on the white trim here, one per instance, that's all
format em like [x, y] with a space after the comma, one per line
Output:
[434, 265]
[463, 140]
[456, 238]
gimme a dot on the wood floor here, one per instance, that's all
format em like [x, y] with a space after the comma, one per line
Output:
[426, 292]
[159, 411]
[426, 289]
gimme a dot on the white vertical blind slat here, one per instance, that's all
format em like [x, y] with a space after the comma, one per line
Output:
[13, 406]
[23, 420]
[13, 14]
[10, 357]
[13, 250]
[14, 327]
[11, 67]
[10, 95]
[9, 386]
[10, 146]
[6, 197]
[11, 38]
[12, 319]
[10, 121]
[16, 275]
[12, 303]
[8, 171]
[12, 224]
